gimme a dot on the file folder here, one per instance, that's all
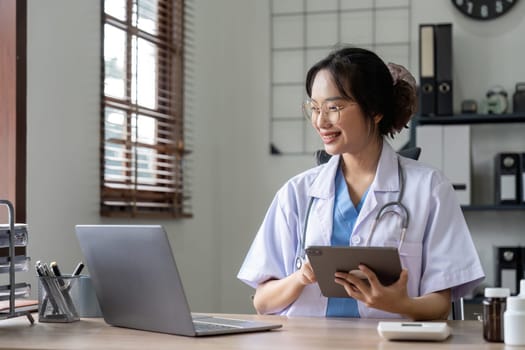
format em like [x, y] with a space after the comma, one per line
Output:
[509, 268]
[19, 236]
[456, 160]
[507, 178]
[447, 148]
[427, 78]
[522, 182]
[443, 65]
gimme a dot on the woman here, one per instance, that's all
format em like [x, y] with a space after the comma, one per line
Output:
[354, 102]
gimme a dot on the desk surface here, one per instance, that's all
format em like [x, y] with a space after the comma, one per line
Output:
[297, 333]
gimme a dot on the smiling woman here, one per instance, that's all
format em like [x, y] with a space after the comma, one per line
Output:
[143, 144]
[365, 195]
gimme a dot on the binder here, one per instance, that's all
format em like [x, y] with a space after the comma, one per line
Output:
[430, 139]
[427, 78]
[522, 264]
[509, 269]
[443, 65]
[507, 178]
[447, 148]
[522, 181]
[456, 160]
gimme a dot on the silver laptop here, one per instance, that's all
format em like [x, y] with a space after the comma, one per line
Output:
[138, 285]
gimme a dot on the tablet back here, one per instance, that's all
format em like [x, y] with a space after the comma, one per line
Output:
[326, 260]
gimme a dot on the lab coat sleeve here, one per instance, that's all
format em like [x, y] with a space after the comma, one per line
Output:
[272, 252]
[450, 259]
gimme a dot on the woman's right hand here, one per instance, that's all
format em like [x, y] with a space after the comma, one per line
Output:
[274, 295]
[306, 274]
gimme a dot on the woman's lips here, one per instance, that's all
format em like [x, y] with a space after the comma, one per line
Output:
[329, 137]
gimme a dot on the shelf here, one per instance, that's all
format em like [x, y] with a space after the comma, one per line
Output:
[486, 207]
[467, 119]
[470, 119]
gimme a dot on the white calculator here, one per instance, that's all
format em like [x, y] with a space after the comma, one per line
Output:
[436, 331]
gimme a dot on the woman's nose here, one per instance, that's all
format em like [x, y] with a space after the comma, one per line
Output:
[323, 119]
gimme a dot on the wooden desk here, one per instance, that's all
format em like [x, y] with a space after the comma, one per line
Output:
[297, 333]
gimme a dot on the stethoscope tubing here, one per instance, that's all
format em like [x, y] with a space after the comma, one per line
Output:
[404, 224]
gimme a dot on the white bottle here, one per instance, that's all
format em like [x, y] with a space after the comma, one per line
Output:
[522, 289]
[514, 320]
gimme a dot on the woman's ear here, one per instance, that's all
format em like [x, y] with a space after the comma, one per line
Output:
[377, 119]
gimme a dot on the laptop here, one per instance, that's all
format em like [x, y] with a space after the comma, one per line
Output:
[138, 286]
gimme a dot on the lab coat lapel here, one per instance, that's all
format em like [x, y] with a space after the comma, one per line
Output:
[385, 181]
[323, 189]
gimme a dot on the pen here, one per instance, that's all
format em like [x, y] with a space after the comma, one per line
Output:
[60, 293]
[49, 295]
[56, 271]
[78, 269]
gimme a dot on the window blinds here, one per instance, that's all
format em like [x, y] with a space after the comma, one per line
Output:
[142, 133]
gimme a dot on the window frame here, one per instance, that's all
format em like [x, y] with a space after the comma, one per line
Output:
[133, 195]
[13, 109]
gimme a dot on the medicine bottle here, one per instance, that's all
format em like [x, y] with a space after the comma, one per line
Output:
[515, 321]
[494, 306]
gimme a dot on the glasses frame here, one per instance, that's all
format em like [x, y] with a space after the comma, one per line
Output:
[306, 107]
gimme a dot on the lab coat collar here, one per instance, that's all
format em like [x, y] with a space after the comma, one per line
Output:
[386, 178]
[323, 186]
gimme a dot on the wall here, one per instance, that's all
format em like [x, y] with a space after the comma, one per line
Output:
[235, 178]
[63, 151]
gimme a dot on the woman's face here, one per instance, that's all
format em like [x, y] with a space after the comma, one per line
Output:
[353, 132]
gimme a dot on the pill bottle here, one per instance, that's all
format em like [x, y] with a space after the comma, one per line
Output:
[494, 306]
[514, 319]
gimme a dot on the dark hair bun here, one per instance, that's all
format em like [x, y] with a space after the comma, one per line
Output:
[405, 105]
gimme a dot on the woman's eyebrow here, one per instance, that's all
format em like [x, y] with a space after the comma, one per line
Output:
[335, 98]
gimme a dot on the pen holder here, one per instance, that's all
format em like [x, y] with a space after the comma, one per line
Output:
[55, 303]
[85, 298]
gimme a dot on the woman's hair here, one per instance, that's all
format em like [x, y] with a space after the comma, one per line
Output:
[360, 74]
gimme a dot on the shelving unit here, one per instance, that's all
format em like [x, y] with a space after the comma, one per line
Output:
[458, 119]
[491, 207]
[471, 119]
[12, 268]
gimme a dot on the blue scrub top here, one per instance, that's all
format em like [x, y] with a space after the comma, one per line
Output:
[345, 216]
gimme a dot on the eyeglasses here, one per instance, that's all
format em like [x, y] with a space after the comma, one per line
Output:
[330, 109]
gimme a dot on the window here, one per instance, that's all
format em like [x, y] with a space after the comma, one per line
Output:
[142, 138]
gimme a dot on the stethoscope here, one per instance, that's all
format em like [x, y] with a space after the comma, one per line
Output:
[387, 208]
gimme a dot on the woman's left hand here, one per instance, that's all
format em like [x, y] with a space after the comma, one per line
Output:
[372, 293]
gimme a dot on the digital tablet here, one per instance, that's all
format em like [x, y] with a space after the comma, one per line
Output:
[326, 260]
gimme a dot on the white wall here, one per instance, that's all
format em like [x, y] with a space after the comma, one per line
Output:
[63, 151]
[234, 175]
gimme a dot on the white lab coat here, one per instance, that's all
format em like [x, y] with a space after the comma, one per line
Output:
[438, 250]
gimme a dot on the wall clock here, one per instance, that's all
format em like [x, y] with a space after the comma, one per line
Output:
[484, 9]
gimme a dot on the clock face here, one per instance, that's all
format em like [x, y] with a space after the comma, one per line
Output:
[484, 9]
